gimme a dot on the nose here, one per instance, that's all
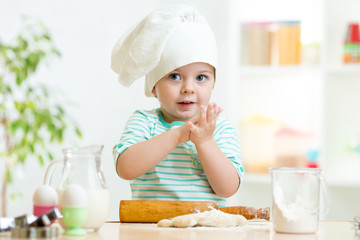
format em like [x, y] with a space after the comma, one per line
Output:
[187, 87]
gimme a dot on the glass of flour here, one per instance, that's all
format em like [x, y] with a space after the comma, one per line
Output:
[296, 199]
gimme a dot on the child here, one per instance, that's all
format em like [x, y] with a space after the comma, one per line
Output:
[183, 150]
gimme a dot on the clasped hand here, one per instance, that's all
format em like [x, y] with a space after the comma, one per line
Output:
[200, 128]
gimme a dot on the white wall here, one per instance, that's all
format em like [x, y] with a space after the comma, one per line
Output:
[85, 32]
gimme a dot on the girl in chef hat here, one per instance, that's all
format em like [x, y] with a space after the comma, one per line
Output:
[182, 150]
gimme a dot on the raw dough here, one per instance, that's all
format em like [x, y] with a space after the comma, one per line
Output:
[212, 218]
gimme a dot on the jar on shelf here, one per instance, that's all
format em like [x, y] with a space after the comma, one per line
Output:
[352, 44]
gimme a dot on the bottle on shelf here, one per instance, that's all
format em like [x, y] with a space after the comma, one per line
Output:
[271, 43]
[256, 43]
[288, 43]
[352, 44]
[312, 156]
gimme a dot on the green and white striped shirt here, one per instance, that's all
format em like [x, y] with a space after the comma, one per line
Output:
[180, 175]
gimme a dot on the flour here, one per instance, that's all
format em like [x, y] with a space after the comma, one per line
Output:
[299, 216]
[212, 218]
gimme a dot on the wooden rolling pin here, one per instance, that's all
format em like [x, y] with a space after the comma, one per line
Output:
[152, 211]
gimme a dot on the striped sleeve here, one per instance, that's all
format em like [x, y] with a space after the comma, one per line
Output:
[227, 140]
[136, 130]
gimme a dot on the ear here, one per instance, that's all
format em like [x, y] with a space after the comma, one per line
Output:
[214, 77]
[154, 91]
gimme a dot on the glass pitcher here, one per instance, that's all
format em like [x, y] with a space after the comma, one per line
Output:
[82, 166]
[296, 199]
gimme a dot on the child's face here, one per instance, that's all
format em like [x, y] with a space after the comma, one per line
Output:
[182, 91]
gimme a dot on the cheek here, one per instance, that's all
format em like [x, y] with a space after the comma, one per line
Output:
[207, 93]
[164, 96]
[159, 91]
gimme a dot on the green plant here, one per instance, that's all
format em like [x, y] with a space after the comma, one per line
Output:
[29, 118]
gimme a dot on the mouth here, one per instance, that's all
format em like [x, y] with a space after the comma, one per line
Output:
[186, 103]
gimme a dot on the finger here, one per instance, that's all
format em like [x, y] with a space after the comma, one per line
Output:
[195, 119]
[202, 117]
[191, 126]
[210, 112]
[218, 110]
[216, 113]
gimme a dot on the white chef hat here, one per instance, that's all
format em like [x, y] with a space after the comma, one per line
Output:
[166, 39]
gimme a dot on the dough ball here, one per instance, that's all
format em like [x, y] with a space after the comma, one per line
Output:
[184, 221]
[216, 218]
[165, 223]
[213, 218]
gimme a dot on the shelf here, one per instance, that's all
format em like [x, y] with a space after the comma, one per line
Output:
[332, 182]
[283, 70]
[307, 96]
[263, 178]
[344, 69]
[319, 95]
[257, 178]
[280, 70]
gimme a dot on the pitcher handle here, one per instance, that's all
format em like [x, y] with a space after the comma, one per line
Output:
[325, 194]
[50, 170]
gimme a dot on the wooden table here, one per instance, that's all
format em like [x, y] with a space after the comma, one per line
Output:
[328, 230]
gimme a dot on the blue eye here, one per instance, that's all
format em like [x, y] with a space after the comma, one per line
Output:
[201, 78]
[174, 76]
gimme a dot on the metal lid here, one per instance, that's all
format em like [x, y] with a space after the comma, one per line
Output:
[34, 232]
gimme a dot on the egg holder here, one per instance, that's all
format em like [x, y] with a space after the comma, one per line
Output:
[74, 217]
[39, 210]
[26, 226]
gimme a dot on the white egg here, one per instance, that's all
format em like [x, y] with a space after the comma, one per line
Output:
[45, 196]
[74, 195]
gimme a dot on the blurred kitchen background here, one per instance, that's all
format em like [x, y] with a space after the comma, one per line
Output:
[288, 79]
